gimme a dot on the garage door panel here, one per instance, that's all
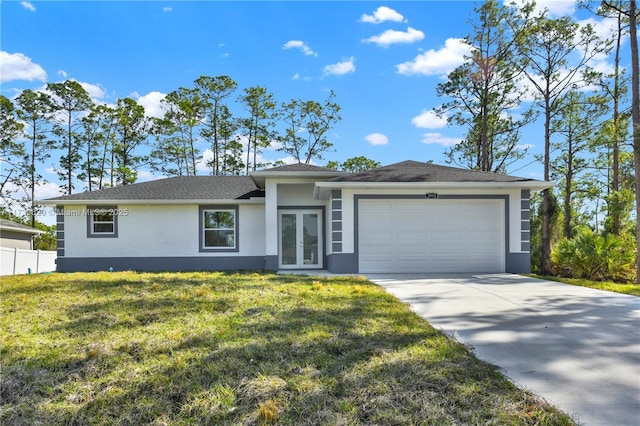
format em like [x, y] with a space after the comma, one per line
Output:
[411, 235]
[374, 223]
[482, 222]
[431, 235]
[450, 222]
[446, 237]
[488, 235]
[384, 235]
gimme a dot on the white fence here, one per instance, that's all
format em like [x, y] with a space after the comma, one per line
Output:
[19, 261]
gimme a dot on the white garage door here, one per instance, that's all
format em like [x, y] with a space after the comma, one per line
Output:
[431, 235]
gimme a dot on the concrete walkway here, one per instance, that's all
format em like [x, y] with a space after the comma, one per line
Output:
[578, 348]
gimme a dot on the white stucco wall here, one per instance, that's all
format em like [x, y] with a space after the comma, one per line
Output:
[160, 230]
[299, 194]
[285, 192]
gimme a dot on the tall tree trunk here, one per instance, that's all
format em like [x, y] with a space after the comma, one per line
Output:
[545, 238]
[69, 159]
[89, 161]
[249, 150]
[255, 145]
[635, 116]
[614, 210]
[568, 233]
[216, 147]
[32, 170]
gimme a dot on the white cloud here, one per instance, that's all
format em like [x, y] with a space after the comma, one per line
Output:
[341, 68]
[94, 90]
[201, 164]
[296, 76]
[47, 190]
[28, 6]
[437, 138]
[43, 190]
[429, 120]
[167, 9]
[437, 62]
[146, 176]
[286, 160]
[382, 14]
[556, 8]
[377, 139]
[299, 44]
[604, 28]
[62, 73]
[152, 104]
[16, 66]
[390, 37]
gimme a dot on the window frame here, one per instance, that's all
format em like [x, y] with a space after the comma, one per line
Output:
[90, 222]
[201, 229]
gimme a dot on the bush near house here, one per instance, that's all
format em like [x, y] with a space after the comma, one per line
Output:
[214, 348]
[597, 257]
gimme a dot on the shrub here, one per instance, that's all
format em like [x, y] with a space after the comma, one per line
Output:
[594, 257]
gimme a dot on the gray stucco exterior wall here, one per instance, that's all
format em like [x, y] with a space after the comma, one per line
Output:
[518, 263]
[160, 264]
[342, 263]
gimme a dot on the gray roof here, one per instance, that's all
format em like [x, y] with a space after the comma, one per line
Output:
[414, 171]
[176, 188]
[18, 227]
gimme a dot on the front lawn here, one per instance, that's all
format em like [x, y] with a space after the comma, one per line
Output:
[624, 288]
[215, 348]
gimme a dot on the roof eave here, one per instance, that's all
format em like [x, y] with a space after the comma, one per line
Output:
[321, 188]
[54, 202]
[32, 231]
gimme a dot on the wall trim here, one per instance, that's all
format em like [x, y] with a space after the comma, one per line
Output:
[201, 209]
[160, 264]
[323, 221]
[89, 213]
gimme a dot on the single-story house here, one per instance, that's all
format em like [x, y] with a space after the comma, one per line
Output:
[405, 217]
[17, 235]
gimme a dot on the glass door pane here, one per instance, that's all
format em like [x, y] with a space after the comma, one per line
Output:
[310, 246]
[289, 239]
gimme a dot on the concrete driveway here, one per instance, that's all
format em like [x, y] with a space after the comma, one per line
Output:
[576, 347]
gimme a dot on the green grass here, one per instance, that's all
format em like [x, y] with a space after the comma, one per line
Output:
[624, 288]
[215, 348]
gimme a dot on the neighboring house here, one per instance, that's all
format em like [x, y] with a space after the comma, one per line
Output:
[17, 254]
[406, 217]
[16, 235]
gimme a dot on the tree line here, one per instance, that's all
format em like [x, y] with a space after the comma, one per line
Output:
[591, 136]
[101, 146]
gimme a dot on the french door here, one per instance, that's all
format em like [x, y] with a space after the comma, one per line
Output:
[300, 244]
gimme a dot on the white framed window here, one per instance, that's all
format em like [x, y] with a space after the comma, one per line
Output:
[218, 228]
[102, 221]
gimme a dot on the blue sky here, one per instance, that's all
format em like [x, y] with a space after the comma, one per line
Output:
[383, 60]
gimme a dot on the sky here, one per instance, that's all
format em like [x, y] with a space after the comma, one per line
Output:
[383, 61]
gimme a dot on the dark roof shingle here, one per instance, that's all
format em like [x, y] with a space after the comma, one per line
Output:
[176, 188]
[415, 171]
